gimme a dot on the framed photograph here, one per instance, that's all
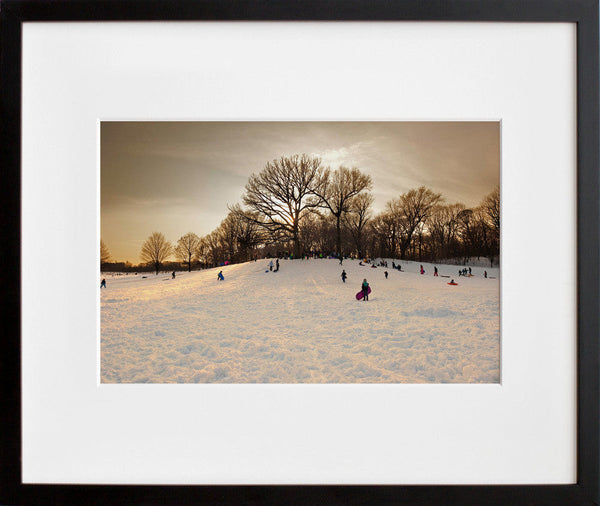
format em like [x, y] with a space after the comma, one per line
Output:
[334, 253]
[325, 232]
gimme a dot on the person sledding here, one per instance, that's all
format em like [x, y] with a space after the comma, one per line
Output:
[453, 283]
[365, 289]
[220, 276]
[344, 276]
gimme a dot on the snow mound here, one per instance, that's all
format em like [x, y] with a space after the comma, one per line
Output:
[302, 325]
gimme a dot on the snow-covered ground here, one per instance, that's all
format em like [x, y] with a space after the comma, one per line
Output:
[301, 325]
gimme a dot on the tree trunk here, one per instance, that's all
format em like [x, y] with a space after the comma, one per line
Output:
[296, 240]
[338, 238]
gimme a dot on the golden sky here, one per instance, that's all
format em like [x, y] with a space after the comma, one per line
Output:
[179, 177]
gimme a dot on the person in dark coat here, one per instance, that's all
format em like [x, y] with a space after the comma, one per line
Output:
[220, 276]
[103, 283]
[344, 276]
[365, 289]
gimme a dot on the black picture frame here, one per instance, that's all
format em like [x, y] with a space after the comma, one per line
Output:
[13, 13]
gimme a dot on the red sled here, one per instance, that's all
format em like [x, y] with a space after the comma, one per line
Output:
[455, 284]
[360, 294]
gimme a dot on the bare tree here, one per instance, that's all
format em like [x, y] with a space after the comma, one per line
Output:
[337, 191]
[491, 209]
[227, 237]
[281, 194]
[211, 248]
[414, 208]
[471, 233]
[155, 250]
[357, 218]
[443, 226]
[384, 228]
[203, 251]
[310, 230]
[325, 234]
[104, 253]
[186, 248]
[245, 231]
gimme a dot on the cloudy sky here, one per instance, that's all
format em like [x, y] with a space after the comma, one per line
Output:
[179, 177]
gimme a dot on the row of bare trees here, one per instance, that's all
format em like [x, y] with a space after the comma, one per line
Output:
[419, 225]
[296, 205]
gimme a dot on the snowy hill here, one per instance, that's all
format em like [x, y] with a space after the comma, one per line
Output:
[301, 325]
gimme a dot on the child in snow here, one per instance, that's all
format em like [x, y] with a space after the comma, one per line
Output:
[422, 270]
[435, 271]
[386, 274]
[365, 289]
[173, 275]
[485, 274]
[103, 283]
[271, 265]
[344, 276]
[220, 276]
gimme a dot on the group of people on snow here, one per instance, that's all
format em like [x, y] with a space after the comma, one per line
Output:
[467, 271]
[365, 285]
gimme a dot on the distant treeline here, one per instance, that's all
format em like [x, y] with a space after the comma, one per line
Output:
[296, 207]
